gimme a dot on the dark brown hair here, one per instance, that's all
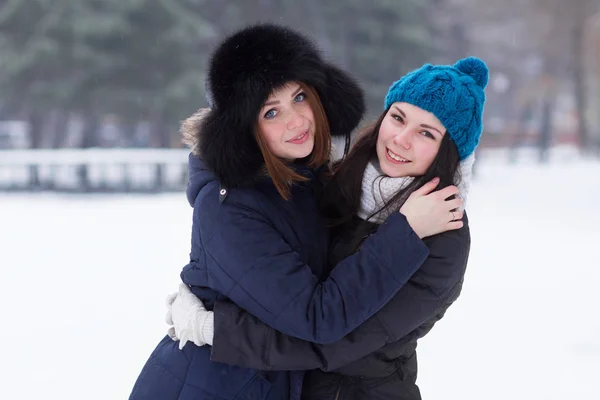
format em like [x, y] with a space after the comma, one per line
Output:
[280, 171]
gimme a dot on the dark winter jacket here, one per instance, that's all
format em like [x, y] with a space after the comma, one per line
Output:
[267, 255]
[377, 360]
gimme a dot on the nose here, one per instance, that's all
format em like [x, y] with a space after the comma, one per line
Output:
[295, 121]
[403, 139]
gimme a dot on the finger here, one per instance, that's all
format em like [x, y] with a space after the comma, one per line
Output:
[453, 204]
[453, 225]
[455, 215]
[171, 298]
[458, 215]
[427, 188]
[172, 335]
[169, 317]
[446, 192]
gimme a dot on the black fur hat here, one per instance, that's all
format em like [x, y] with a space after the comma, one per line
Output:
[243, 71]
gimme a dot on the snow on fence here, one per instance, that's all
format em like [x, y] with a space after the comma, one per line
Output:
[94, 170]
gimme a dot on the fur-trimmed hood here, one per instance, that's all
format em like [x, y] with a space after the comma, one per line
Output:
[244, 69]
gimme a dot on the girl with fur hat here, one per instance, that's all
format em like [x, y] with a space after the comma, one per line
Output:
[258, 238]
[430, 127]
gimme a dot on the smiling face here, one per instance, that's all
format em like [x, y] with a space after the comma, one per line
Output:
[408, 141]
[287, 124]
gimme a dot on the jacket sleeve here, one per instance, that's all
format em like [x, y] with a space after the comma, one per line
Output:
[249, 262]
[243, 340]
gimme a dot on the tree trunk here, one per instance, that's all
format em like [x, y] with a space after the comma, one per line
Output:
[36, 125]
[579, 86]
[89, 139]
[161, 138]
[60, 126]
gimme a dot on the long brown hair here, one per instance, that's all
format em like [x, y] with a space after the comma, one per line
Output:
[281, 172]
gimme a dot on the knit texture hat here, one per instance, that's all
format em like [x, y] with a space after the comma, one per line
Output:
[453, 93]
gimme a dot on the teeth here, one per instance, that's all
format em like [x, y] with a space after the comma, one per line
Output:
[299, 137]
[396, 157]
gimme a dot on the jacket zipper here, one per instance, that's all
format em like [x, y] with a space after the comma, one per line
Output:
[337, 395]
[339, 389]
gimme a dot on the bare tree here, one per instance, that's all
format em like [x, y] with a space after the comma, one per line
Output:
[532, 41]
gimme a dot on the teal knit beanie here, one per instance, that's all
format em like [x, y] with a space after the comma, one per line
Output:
[453, 93]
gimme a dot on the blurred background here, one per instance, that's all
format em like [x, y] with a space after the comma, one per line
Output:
[94, 225]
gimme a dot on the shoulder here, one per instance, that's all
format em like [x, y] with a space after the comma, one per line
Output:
[446, 265]
[451, 243]
[220, 207]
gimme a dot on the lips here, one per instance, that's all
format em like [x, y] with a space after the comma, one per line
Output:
[395, 158]
[299, 138]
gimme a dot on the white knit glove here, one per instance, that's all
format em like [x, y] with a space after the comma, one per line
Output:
[190, 319]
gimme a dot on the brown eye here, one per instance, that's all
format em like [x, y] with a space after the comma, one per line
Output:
[427, 134]
[398, 118]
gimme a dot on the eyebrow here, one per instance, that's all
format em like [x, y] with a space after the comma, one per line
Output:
[273, 102]
[431, 127]
[422, 125]
[400, 111]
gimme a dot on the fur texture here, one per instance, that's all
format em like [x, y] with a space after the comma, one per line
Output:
[244, 69]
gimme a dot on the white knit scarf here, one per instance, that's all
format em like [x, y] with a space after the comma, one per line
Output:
[377, 189]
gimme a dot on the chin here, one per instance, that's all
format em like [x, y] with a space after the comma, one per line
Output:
[392, 171]
[305, 151]
[297, 154]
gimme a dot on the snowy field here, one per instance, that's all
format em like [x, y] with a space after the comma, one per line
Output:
[83, 281]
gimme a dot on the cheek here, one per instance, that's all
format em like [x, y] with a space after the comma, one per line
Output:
[427, 153]
[271, 132]
[307, 112]
[380, 147]
[386, 134]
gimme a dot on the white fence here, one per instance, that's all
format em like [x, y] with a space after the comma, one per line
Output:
[89, 170]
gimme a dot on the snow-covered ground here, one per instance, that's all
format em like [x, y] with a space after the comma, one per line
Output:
[83, 281]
